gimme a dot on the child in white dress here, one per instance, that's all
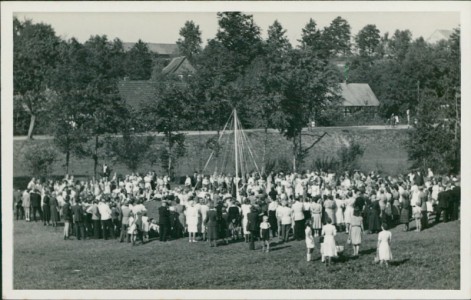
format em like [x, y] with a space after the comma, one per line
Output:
[384, 245]
[145, 227]
[309, 241]
[132, 229]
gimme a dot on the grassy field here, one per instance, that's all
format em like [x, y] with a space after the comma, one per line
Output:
[384, 151]
[43, 260]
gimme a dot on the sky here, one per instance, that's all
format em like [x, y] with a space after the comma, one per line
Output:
[163, 27]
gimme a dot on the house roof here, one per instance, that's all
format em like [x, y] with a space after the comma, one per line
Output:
[178, 66]
[358, 94]
[162, 49]
[438, 35]
[136, 92]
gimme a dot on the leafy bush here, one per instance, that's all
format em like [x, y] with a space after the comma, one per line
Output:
[39, 158]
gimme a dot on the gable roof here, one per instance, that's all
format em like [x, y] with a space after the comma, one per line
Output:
[136, 92]
[438, 35]
[159, 48]
[178, 66]
[358, 94]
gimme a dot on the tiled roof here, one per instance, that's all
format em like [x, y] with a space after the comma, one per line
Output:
[358, 94]
[162, 49]
[136, 92]
[178, 66]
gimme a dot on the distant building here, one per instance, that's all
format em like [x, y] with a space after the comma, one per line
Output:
[358, 97]
[137, 92]
[162, 50]
[438, 35]
[179, 66]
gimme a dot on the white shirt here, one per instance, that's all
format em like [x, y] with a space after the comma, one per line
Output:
[298, 213]
[285, 215]
[104, 210]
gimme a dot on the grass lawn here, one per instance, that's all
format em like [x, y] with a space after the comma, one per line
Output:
[43, 260]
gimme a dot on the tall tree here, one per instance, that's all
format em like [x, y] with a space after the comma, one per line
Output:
[311, 39]
[336, 36]
[103, 107]
[367, 40]
[310, 85]
[35, 50]
[138, 62]
[189, 43]
[399, 44]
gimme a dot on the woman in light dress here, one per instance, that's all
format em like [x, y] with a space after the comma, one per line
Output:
[329, 206]
[348, 210]
[384, 245]
[309, 241]
[245, 211]
[192, 221]
[316, 215]
[329, 248]
[356, 229]
[339, 214]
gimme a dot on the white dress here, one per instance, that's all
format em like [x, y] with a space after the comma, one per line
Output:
[384, 249]
[339, 216]
[245, 211]
[349, 210]
[192, 219]
[309, 239]
[329, 247]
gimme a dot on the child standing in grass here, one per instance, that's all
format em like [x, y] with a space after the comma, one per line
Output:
[309, 241]
[265, 234]
[132, 229]
[145, 227]
[384, 245]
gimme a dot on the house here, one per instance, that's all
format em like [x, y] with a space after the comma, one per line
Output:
[438, 35]
[179, 66]
[162, 50]
[358, 97]
[137, 92]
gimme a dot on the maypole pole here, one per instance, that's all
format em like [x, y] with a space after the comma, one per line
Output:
[236, 156]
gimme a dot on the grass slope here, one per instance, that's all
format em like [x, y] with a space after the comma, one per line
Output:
[43, 260]
[384, 150]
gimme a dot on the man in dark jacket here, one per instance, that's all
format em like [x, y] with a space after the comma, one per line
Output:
[455, 198]
[252, 226]
[36, 204]
[77, 212]
[67, 216]
[443, 205]
[164, 221]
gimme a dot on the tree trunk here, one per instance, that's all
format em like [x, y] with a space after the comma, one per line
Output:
[295, 152]
[169, 149]
[264, 150]
[67, 159]
[95, 156]
[31, 126]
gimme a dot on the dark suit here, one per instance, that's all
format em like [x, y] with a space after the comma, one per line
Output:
[77, 211]
[455, 197]
[443, 206]
[211, 223]
[252, 226]
[164, 222]
[36, 205]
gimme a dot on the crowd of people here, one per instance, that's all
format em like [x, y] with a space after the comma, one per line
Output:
[311, 206]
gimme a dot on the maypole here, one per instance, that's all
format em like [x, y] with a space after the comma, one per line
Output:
[236, 156]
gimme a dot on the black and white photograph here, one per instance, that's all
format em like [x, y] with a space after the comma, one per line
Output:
[262, 150]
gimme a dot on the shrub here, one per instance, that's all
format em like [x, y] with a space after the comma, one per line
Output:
[39, 158]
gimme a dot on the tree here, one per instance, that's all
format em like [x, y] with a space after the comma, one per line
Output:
[309, 85]
[368, 40]
[138, 62]
[168, 115]
[105, 111]
[39, 159]
[189, 43]
[35, 50]
[336, 36]
[399, 44]
[130, 149]
[312, 40]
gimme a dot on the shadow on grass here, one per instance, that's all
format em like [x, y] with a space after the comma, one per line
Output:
[399, 262]
[367, 251]
[279, 248]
